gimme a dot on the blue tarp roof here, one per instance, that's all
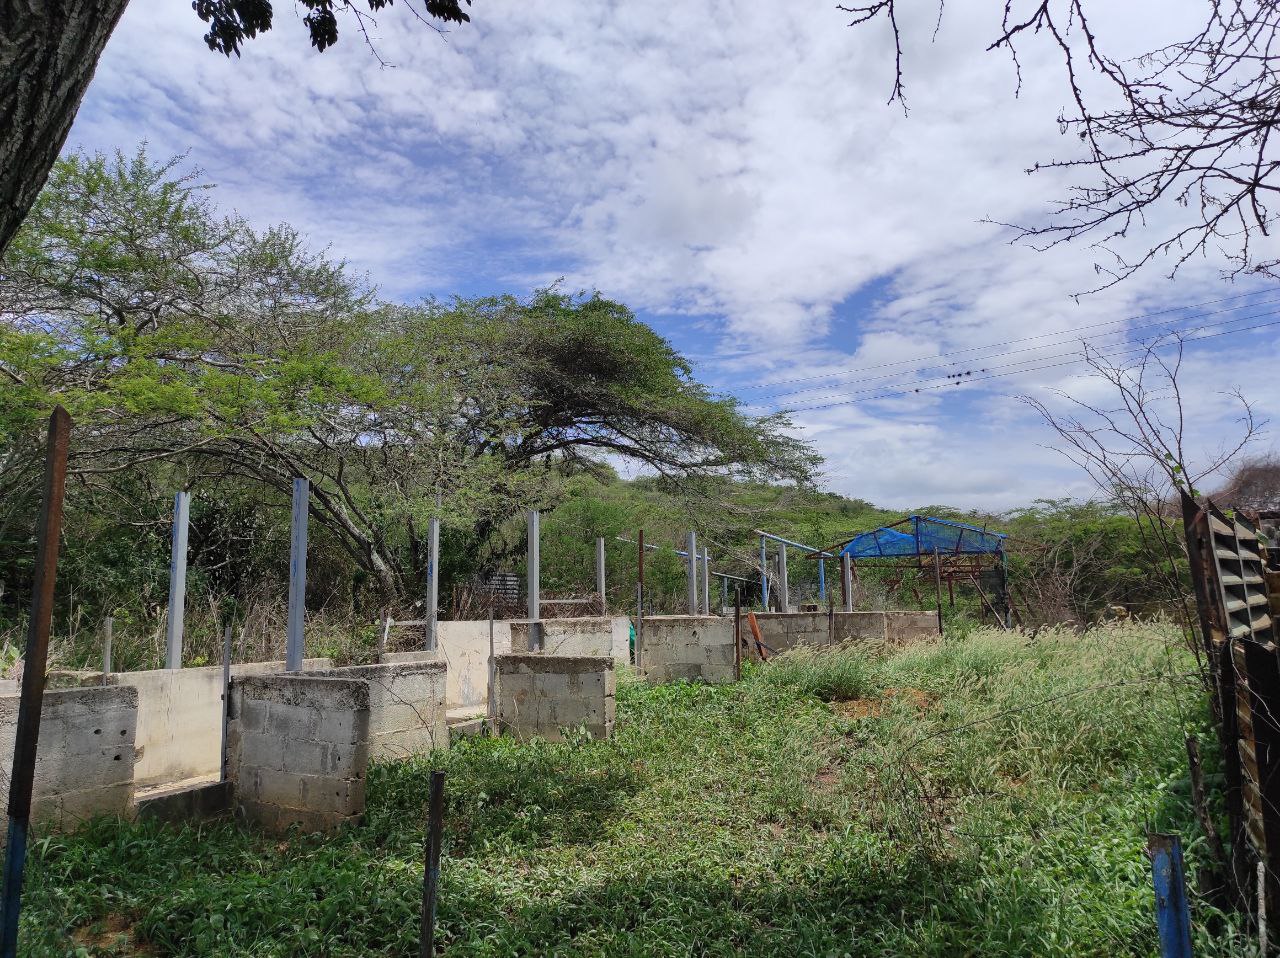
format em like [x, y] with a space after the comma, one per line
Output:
[920, 535]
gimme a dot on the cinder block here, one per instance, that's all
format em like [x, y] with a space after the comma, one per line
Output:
[262, 749]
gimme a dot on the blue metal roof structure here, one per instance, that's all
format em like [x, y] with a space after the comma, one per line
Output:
[921, 536]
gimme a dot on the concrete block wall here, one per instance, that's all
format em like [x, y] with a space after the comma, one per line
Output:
[540, 694]
[672, 647]
[85, 755]
[179, 716]
[298, 750]
[464, 648]
[593, 635]
[905, 627]
[406, 706]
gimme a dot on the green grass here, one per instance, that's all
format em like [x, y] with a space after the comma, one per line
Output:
[946, 812]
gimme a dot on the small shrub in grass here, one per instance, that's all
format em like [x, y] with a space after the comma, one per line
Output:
[841, 673]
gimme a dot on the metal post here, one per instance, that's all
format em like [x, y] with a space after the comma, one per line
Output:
[639, 596]
[492, 703]
[764, 574]
[737, 633]
[226, 696]
[706, 581]
[822, 579]
[36, 660]
[691, 563]
[431, 871]
[724, 592]
[1004, 589]
[846, 581]
[784, 586]
[433, 582]
[297, 574]
[1173, 919]
[108, 634]
[384, 635]
[177, 581]
[535, 581]
[937, 581]
[600, 583]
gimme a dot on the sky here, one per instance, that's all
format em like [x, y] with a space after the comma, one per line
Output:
[733, 172]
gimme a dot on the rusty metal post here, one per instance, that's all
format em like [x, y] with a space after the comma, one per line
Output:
[846, 581]
[35, 663]
[737, 633]
[431, 871]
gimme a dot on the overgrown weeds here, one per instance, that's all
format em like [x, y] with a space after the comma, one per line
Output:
[999, 808]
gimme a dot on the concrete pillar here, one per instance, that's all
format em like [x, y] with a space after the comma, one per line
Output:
[846, 581]
[691, 559]
[706, 581]
[177, 581]
[433, 582]
[600, 583]
[534, 563]
[784, 588]
[297, 574]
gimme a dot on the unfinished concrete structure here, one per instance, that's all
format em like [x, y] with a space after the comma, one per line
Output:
[298, 750]
[85, 760]
[781, 631]
[406, 706]
[542, 695]
[671, 647]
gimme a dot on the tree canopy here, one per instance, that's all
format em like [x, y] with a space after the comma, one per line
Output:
[184, 339]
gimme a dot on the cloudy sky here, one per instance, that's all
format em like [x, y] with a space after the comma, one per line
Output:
[732, 171]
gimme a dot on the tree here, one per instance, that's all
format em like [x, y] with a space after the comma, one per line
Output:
[1253, 485]
[49, 50]
[1184, 129]
[174, 335]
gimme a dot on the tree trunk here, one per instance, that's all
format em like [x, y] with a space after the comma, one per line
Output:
[48, 52]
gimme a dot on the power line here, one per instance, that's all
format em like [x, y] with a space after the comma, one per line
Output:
[1072, 362]
[952, 377]
[1025, 339]
[1166, 328]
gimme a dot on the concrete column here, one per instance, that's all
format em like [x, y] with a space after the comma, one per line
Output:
[691, 559]
[846, 581]
[706, 581]
[177, 581]
[297, 574]
[534, 562]
[433, 582]
[600, 583]
[784, 588]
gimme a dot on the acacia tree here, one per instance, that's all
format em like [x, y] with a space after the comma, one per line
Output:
[175, 335]
[1184, 129]
[49, 50]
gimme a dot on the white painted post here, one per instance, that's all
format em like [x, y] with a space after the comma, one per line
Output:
[846, 581]
[535, 582]
[784, 588]
[691, 548]
[600, 584]
[433, 582]
[297, 574]
[706, 581]
[177, 581]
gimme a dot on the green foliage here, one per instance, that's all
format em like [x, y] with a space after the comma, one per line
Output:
[988, 796]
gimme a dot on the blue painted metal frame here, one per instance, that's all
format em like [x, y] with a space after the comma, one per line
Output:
[1173, 917]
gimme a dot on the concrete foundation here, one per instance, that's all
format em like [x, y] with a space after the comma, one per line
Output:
[85, 757]
[298, 749]
[674, 647]
[464, 647]
[179, 716]
[406, 706]
[786, 630]
[540, 695]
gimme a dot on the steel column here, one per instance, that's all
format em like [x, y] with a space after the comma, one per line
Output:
[297, 574]
[177, 581]
[534, 563]
[433, 583]
[691, 559]
[600, 579]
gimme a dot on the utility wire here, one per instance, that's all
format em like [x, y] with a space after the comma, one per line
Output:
[1071, 362]
[952, 377]
[1164, 327]
[1025, 339]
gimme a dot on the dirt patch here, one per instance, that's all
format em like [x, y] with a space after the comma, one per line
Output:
[873, 707]
[827, 779]
[113, 935]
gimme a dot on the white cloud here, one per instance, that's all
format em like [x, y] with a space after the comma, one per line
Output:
[727, 167]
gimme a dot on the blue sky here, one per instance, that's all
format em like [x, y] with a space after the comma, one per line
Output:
[735, 177]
